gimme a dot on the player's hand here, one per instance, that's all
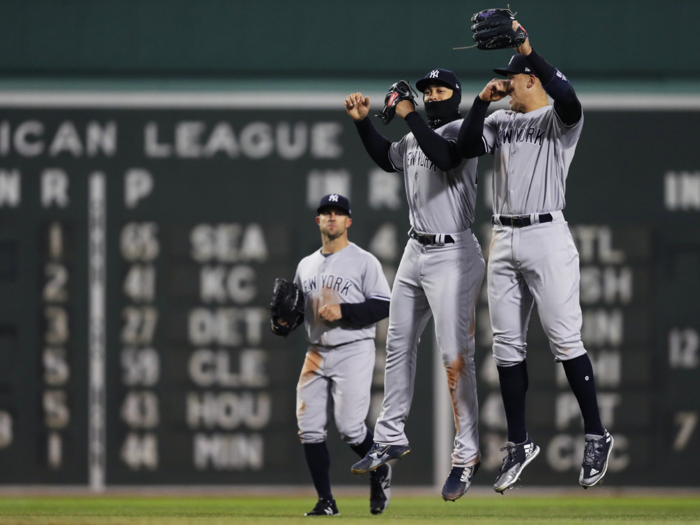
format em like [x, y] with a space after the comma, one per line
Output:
[404, 107]
[525, 49]
[495, 90]
[357, 106]
[330, 312]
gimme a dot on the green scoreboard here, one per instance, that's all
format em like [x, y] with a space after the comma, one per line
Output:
[139, 239]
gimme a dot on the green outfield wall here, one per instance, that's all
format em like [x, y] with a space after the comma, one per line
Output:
[139, 244]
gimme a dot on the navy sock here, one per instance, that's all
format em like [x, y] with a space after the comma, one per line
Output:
[361, 449]
[579, 372]
[514, 383]
[319, 462]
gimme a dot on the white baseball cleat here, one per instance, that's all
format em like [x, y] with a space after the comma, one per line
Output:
[519, 456]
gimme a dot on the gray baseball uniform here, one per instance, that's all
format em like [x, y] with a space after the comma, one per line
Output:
[340, 358]
[441, 279]
[532, 153]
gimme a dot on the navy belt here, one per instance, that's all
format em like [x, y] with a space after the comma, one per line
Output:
[428, 239]
[520, 221]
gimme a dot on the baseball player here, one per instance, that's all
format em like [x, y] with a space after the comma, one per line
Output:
[440, 273]
[345, 294]
[532, 257]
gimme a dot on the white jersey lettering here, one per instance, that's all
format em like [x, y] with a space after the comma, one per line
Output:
[351, 275]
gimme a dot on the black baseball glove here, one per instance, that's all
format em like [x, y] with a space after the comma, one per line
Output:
[286, 308]
[397, 92]
[493, 29]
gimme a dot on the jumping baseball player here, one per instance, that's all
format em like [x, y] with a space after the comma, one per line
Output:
[345, 294]
[441, 270]
[532, 258]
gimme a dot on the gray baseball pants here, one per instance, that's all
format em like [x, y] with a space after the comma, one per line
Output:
[338, 381]
[444, 282]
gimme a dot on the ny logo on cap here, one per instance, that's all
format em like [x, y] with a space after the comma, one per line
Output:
[333, 198]
[434, 73]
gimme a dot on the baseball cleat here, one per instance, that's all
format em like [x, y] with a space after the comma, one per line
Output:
[324, 507]
[595, 459]
[519, 456]
[458, 482]
[377, 456]
[379, 489]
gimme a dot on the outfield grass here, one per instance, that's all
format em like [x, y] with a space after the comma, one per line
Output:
[403, 510]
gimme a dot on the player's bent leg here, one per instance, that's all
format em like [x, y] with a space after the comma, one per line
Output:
[452, 286]
[554, 278]
[408, 314]
[510, 307]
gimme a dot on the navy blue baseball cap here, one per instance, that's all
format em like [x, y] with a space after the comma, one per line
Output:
[336, 200]
[440, 76]
[518, 65]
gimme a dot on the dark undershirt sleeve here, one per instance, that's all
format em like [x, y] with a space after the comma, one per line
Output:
[439, 150]
[376, 144]
[557, 86]
[365, 314]
[470, 142]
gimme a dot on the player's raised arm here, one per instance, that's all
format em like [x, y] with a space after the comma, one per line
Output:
[376, 144]
[557, 86]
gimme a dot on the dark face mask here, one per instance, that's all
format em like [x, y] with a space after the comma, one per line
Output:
[444, 111]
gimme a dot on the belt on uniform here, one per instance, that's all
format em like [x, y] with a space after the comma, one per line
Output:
[430, 239]
[520, 221]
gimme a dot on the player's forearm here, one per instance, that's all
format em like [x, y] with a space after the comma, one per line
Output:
[557, 86]
[542, 69]
[365, 314]
[470, 142]
[376, 144]
[440, 151]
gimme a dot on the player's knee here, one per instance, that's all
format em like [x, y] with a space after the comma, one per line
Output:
[566, 353]
[506, 353]
[312, 436]
[352, 434]
[566, 347]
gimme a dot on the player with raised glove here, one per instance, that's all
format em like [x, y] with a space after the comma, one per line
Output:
[533, 145]
[399, 91]
[286, 307]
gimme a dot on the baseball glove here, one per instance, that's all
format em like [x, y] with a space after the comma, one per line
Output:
[397, 92]
[287, 307]
[493, 29]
